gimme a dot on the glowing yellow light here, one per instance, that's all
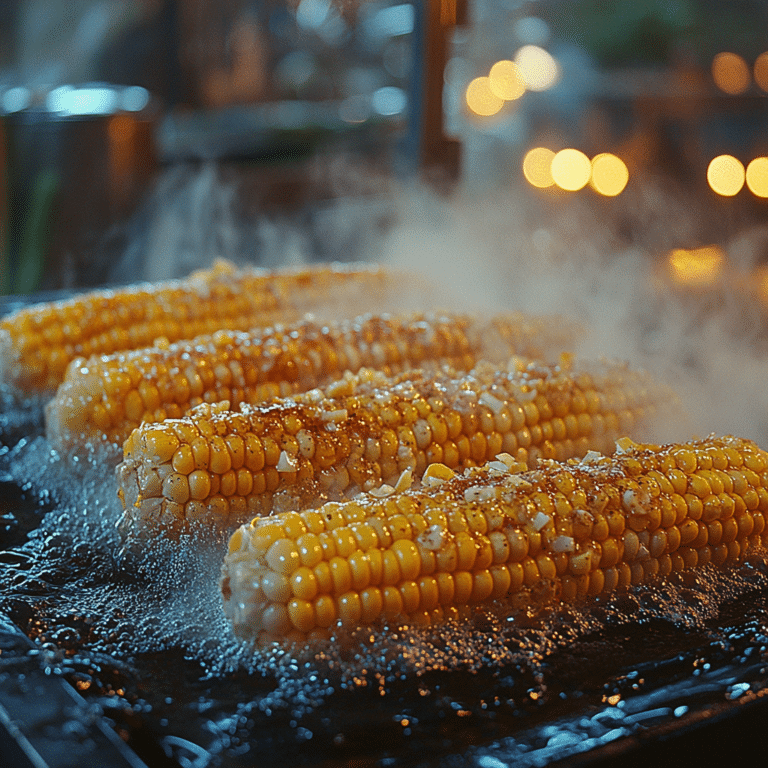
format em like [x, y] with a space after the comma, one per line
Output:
[506, 80]
[730, 73]
[700, 267]
[539, 69]
[726, 175]
[609, 174]
[757, 177]
[571, 169]
[761, 70]
[481, 99]
[537, 167]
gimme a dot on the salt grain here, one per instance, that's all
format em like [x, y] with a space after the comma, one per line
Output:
[540, 520]
[382, 491]
[487, 399]
[432, 538]
[287, 463]
[563, 544]
[480, 493]
[592, 457]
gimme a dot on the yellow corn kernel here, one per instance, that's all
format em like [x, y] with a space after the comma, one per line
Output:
[325, 611]
[371, 604]
[392, 601]
[304, 583]
[40, 341]
[255, 454]
[111, 394]
[294, 592]
[302, 614]
[359, 564]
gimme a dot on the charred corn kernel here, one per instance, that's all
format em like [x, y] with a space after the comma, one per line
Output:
[574, 569]
[258, 365]
[37, 343]
[340, 426]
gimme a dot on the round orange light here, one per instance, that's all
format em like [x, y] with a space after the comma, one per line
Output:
[726, 175]
[757, 177]
[571, 169]
[760, 71]
[609, 174]
[730, 73]
[537, 167]
[481, 99]
[506, 80]
[539, 68]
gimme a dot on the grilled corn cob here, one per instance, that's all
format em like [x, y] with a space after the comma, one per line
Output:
[369, 431]
[564, 531]
[37, 343]
[104, 398]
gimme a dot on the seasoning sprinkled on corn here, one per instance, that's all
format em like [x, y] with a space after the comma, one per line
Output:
[105, 397]
[364, 431]
[565, 531]
[37, 343]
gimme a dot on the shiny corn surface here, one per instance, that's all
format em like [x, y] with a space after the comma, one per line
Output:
[105, 397]
[39, 342]
[368, 431]
[565, 531]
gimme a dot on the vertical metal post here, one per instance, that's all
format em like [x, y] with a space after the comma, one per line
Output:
[429, 151]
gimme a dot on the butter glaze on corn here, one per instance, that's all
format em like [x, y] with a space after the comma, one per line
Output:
[103, 398]
[369, 431]
[37, 343]
[564, 531]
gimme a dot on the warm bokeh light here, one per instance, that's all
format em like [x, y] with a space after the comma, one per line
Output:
[757, 177]
[539, 69]
[730, 73]
[700, 267]
[537, 167]
[571, 169]
[506, 80]
[761, 71]
[725, 175]
[609, 174]
[481, 99]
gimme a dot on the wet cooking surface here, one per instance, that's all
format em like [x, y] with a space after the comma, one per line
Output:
[144, 637]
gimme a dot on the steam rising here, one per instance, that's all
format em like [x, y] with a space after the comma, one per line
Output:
[510, 251]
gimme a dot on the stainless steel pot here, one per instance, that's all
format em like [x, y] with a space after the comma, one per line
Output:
[73, 163]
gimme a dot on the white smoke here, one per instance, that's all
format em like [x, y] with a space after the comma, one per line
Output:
[515, 251]
[597, 260]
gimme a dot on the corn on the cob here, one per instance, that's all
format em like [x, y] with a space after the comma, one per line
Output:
[104, 398]
[37, 343]
[564, 531]
[366, 430]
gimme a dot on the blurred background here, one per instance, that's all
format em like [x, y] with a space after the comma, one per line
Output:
[606, 159]
[139, 137]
